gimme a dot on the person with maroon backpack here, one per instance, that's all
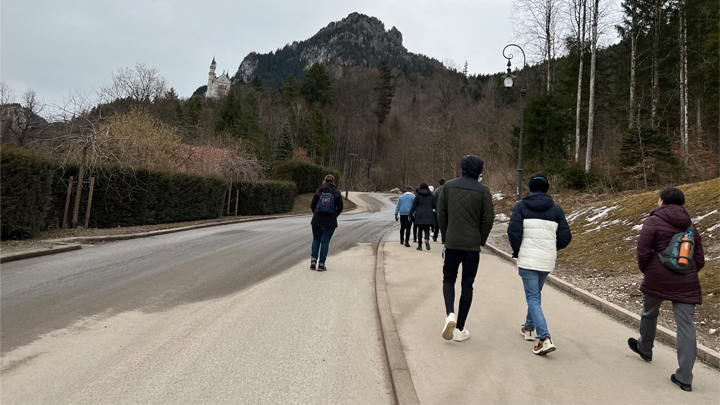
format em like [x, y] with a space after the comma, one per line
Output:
[661, 258]
[326, 206]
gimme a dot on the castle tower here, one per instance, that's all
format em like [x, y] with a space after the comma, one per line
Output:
[211, 80]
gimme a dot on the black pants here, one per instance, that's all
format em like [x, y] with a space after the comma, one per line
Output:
[405, 225]
[414, 227]
[437, 228]
[451, 262]
[421, 229]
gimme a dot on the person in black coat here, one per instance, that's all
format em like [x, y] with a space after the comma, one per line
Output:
[423, 210]
[324, 223]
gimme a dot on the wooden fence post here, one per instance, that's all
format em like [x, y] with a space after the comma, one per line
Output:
[89, 204]
[229, 197]
[67, 203]
[237, 199]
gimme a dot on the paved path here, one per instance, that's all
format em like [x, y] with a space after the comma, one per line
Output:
[496, 365]
[229, 314]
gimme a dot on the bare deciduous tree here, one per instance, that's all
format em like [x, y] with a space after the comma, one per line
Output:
[142, 83]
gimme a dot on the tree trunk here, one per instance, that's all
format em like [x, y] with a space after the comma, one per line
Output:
[591, 103]
[581, 45]
[633, 56]
[698, 124]
[548, 41]
[655, 69]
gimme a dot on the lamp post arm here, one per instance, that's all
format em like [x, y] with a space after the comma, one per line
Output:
[510, 56]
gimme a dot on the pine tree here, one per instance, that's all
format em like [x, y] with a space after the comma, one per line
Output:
[317, 86]
[284, 148]
[229, 115]
[290, 90]
[249, 126]
[386, 91]
[320, 138]
[256, 82]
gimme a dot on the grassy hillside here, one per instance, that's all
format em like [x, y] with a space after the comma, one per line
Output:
[605, 235]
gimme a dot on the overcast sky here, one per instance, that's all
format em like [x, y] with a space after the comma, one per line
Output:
[53, 46]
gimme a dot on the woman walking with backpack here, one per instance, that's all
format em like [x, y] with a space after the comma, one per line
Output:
[423, 210]
[326, 206]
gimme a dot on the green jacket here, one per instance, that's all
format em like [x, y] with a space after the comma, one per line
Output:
[437, 193]
[465, 209]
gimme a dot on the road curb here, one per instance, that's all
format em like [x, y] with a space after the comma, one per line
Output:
[37, 253]
[705, 353]
[76, 241]
[400, 378]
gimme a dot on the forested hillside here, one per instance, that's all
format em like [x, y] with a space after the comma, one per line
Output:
[415, 119]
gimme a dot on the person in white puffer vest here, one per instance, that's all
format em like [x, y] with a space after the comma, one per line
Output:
[537, 230]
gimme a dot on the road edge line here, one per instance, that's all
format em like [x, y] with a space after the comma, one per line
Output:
[400, 378]
[705, 353]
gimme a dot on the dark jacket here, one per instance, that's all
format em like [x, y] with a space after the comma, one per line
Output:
[465, 209]
[537, 230]
[423, 207]
[660, 282]
[326, 220]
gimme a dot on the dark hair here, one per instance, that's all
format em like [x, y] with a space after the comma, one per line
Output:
[424, 186]
[538, 182]
[672, 196]
[442, 181]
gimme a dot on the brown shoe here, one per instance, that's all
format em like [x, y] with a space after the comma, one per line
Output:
[544, 346]
[528, 334]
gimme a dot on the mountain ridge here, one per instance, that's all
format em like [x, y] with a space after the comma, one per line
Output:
[356, 40]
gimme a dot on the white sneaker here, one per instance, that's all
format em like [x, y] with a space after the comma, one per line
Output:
[449, 327]
[544, 346]
[461, 335]
[529, 335]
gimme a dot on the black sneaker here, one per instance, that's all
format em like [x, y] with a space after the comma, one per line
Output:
[434, 239]
[683, 386]
[407, 244]
[321, 267]
[420, 247]
[414, 240]
[633, 344]
[313, 263]
[402, 242]
[427, 244]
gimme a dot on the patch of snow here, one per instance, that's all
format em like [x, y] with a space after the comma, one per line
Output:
[701, 217]
[501, 218]
[714, 227]
[637, 227]
[602, 225]
[600, 212]
[497, 196]
[573, 216]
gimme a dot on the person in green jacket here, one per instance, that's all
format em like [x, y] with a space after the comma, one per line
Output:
[466, 214]
[437, 195]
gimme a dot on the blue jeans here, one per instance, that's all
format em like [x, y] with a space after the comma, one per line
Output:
[533, 282]
[321, 242]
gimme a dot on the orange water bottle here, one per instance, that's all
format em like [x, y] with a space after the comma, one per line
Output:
[684, 255]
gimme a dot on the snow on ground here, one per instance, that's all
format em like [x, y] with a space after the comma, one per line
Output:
[501, 218]
[600, 212]
[701, 217]
[497, 196]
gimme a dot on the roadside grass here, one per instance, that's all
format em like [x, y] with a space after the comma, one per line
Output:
[302, 204]
[605, 234]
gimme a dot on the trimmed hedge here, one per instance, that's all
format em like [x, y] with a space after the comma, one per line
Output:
[123, 197]
[264, 198]
[307, 177]
[25, 197]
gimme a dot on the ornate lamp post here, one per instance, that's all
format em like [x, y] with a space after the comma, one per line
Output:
[508, 84]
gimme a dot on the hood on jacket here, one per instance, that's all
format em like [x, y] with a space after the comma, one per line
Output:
[538, 201]
[675, 215]
[331, 186]
[423, 191]
[472, 166]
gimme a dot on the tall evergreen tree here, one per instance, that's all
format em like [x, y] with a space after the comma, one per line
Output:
[317, 86]
[386, 91]
[290, 90]
[229, 115]
[285, 146]
[249, 126]
[256, 82]
[320, 138]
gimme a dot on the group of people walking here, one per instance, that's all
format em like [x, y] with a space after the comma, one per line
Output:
[461, 210]
[416, 209]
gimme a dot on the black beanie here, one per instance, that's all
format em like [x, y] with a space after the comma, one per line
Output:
[539, 182]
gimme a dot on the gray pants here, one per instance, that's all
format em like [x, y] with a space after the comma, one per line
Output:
[686, 341]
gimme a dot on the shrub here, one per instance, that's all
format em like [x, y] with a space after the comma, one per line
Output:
[25, 192]
[307, 177]
[264, 198]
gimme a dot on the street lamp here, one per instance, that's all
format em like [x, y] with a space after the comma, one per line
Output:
[508, 84]
[347, 182]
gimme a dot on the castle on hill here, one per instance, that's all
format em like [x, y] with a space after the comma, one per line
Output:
[217, 86]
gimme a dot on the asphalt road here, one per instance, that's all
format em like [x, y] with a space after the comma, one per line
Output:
[222, 314]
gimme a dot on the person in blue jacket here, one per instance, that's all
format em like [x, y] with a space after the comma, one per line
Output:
[537, 230]
[403, 207]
